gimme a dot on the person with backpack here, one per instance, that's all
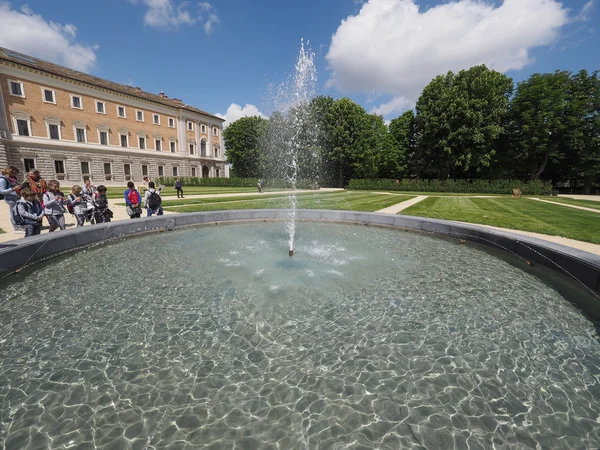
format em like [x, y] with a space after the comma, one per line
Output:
[152, 200]
[10, 191]
[54, 206]
[79, 204]
[88, 189]
[29, 212]
[102, 213]
[36, 183]
[179, 187]
[133, 200]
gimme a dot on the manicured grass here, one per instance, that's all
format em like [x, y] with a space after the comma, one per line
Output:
[339, 200]
[438, 194]
[117, 192]
[577, 202]
[516, 214]
[2, 231]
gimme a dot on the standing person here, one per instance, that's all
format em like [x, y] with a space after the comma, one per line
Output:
[179, 187]
[79, 203]
[54, 206]
[102, 213]
[10, 190]
[36, 183]
[29, 212]
[133, 200]
[88, 188]
[152, 200]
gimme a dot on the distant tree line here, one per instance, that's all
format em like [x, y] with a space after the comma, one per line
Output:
[472, 124]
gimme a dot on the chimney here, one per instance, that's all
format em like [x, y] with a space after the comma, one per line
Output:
[138, 89]
[177, 100]
[162, 94]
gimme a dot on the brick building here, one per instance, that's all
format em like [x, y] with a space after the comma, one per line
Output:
[72, 126]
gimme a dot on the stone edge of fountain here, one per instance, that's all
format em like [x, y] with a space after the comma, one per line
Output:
[585, 266]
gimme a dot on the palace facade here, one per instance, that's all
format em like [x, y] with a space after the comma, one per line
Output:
[73, 126]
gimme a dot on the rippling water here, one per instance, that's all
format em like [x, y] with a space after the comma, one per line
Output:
[366, 339]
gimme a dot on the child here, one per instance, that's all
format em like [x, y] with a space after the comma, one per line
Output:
[152, 200]
[29, 212]
[102, 213]
[80, 205]
[53, 206]
[133, 200]
[179, 187]
[88, 189]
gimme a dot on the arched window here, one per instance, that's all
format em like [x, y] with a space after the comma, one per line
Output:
[202, 147]
[22, 123]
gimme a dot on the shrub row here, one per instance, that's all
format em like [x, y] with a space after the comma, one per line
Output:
[457, 186]
[234, 182]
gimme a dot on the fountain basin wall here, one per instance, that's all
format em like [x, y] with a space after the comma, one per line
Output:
[572, 262]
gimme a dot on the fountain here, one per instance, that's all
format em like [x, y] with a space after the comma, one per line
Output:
[370, 337]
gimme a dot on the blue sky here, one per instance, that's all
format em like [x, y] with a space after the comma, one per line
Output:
[223, 52]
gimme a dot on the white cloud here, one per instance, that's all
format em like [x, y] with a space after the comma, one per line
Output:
[392, 47]
[399, 103]
[235, 112]
[584, 14]
[169, 15]
[30, 33]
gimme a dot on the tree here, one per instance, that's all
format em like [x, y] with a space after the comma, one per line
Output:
[459, 118]
[344, 125]
[538, 121]
[244, 141]
[402, 131]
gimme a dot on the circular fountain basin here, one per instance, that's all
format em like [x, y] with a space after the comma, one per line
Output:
[367, 338]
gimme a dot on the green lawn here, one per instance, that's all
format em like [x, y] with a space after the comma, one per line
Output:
[353, 201]
[516, 214]
[437, 194]
[572, 201]
[116, 192]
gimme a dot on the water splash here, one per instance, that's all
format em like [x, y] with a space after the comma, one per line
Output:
[293, 130]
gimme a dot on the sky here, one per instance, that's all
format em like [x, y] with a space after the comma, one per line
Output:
[222, 56]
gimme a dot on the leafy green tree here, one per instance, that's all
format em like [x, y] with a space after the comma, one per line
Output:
[345, 122]
[582, 129]
[538, 121]
[244, 143]
[402, 135]
[459, 118]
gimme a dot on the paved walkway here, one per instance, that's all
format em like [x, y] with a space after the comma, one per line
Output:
[395, 209]
[594, 198]
[583, 208]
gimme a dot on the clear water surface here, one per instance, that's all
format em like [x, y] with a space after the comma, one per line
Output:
[366, 339]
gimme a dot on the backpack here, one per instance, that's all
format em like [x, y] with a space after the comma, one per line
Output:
[154, 200]
[69, 205]
[19, 221]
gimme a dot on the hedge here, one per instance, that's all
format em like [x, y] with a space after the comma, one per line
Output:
[457, 186]
[234, 182]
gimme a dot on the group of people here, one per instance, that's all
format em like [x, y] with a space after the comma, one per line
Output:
[31, 201]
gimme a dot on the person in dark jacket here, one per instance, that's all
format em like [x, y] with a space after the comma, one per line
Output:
[30, 211]
[179, 187]
[133, 200]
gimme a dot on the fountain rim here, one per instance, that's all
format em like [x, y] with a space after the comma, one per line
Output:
[16, 254]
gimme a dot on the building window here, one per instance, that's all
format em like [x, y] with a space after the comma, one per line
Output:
[204, 129]
[157, 145]
[121, 112]
[139, 115]
[124, 140]
[107, 169]
[76, 102]
[29, 164]
[127, 169]
[144, 170]
[100, 107]
[80, 134]
[85, 169]
[174, 171]
[23, 127]
[49, 95]
[215, 131]
[191, 149]
[172, 146]
[16, 88]
[190, 126]
[103, 137]
[193, 171]
[156, 119]
[59, 167]
[142, 143]
[217, 173]
[53, 131]
[161, 171]
[202, 148]
[171, 122]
